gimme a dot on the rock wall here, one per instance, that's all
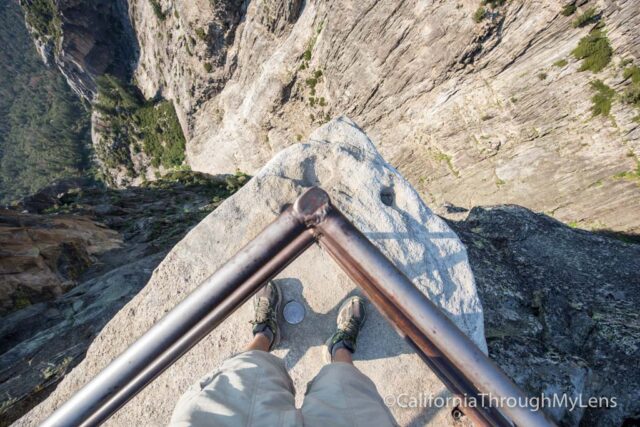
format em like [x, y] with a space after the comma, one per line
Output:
[42, 257]
[341, 159]
[471, 113]
[494, 111]
[84, 39]
[187, 50]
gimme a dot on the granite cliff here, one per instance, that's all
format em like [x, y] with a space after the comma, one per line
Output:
[476, 102]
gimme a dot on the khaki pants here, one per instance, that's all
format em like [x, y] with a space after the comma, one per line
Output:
[254, 389]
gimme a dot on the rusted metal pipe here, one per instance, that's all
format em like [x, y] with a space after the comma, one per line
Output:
[451, 377]
[185, 325]
[451, 355]
[427, 327]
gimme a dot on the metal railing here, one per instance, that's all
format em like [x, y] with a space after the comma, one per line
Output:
[455, 359]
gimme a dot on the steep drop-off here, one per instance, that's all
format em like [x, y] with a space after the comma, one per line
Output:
[476, 103]
[44, 128]
[71, 256]
[559, 305]
[471, 112]
[534, 103]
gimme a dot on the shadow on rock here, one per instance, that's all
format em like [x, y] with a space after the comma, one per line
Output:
[55, 302]
[560, 309]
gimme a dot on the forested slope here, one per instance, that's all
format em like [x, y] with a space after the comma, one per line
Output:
[44, 129]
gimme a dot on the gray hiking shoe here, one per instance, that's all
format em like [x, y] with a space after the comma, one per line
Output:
[351, 317]
[266, 304]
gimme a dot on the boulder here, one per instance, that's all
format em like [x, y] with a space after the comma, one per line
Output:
[341, 159]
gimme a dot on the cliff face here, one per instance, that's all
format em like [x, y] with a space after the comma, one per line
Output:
[42, 257]
[471, 112]
[560, 309]
[474, 108]
[187, 50]
[84, 39]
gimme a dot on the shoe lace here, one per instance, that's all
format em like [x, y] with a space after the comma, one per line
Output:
[264, 311]
[350, 328]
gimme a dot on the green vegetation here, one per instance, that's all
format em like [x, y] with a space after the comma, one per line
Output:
[568, 9]
[602, 99]
[208, 67]
[561, 63]
[202, 35]
[594, 50]
[161, 133]
[311, 82]
[630, 175]
[44, 128]
[306, 56]
[134, 121]
[222, 188]
[42, 17]
[588, 17]
[542, 76]
[479, 14]
[311, 79]
[157, 10]
[633, 73]
[443, 157]
[632, 93]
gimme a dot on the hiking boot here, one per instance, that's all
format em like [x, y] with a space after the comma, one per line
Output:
[266, 304]
[350, 320]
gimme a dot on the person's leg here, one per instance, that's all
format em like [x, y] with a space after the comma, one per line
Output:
[341, 395]
[343, 355]
[260, 342]
[249, 389]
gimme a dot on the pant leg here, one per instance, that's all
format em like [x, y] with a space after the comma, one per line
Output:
[249, 389]
[340, 395]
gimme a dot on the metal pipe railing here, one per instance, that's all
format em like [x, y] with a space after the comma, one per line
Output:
[462, 367]
[185, 325]
[460, 364]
